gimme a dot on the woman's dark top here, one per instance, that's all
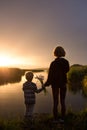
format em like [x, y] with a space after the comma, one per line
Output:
[57, 73]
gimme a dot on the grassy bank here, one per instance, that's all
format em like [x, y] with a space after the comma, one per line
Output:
[73, 121]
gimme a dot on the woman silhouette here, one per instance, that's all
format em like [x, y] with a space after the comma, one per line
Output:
[57, 78]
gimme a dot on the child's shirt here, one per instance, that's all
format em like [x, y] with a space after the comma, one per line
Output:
[29, 89]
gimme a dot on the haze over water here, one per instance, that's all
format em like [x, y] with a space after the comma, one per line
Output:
[12, 99]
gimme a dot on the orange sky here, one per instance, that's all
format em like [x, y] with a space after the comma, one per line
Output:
[30, 30]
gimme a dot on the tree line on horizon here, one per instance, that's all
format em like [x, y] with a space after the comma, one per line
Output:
[77, 75]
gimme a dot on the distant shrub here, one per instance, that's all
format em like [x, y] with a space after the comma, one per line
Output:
[84, 82]
[10, 75]
[77, 74]
[84, 88]
[77, 79]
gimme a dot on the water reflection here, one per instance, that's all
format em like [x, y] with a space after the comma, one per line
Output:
[12, 98]
[78, 87]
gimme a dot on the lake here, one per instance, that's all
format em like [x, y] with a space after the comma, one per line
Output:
[12, 99]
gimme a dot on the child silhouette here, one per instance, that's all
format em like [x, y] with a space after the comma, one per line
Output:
[30, 88]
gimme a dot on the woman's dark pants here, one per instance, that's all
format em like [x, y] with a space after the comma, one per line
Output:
[59, 93]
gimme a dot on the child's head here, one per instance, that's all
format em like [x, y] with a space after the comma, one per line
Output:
[29, 76]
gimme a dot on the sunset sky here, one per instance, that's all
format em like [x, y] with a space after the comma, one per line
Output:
[31, 29]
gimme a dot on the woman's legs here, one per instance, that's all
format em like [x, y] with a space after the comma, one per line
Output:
[55, 92]
[62, 100]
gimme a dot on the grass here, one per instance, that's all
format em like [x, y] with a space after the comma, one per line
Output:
[73, 121]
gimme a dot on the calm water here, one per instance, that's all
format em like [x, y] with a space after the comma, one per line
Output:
[12, 99]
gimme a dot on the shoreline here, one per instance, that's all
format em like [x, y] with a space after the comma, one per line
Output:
[44, 121]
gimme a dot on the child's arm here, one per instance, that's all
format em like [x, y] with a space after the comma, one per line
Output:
[39, 90]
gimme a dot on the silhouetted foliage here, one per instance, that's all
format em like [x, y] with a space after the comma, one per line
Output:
[77, 79]
[73, 121]
[10, 75]
[13, 75]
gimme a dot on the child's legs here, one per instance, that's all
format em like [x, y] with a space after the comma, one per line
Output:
[29, 109]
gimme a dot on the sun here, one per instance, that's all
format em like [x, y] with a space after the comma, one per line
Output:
[6, 61]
